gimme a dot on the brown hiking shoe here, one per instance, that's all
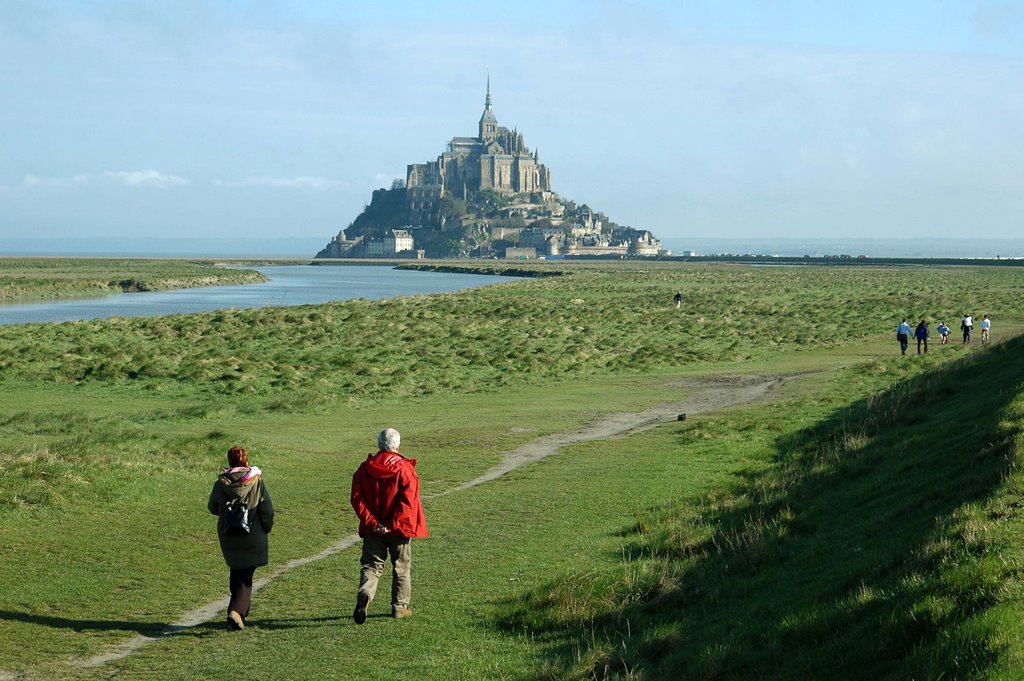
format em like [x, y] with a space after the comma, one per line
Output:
[362, 603]
[399, 613]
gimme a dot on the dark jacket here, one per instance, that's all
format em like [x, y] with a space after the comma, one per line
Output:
[921, 332]
[386, 491]
[243, 550]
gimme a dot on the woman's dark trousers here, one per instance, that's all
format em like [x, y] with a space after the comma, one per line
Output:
[241, 590]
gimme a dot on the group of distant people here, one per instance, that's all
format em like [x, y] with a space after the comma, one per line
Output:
[922, 333]
[385, 497]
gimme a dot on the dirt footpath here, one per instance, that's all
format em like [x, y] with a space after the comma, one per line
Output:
[710, 394]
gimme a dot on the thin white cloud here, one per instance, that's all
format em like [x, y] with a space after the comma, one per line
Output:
[145, 178]
[302, 182]
[36, 181]
[128, 178]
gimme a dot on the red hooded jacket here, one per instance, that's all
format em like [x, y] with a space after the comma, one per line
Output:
[386, 491]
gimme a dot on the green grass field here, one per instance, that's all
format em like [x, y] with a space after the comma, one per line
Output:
[862, 522]
[28, 279]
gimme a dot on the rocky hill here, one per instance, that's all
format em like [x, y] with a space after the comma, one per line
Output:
[486, 225]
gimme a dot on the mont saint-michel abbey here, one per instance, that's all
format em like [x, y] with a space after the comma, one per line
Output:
[486, 196]
[497, 159]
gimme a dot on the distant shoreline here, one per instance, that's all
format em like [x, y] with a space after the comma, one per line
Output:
[924, 248]
[846, 261]
[537, 266]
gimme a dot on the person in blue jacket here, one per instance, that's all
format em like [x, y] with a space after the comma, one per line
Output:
[921, 334]
[943, 332]
[903, 336]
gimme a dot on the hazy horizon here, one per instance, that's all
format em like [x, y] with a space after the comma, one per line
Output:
[307, 247]
[742, 120]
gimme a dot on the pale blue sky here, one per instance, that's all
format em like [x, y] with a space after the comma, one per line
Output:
[726, 119]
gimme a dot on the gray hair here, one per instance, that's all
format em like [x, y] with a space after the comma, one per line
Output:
[388, 440]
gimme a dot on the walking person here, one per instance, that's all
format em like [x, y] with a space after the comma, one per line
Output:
[943, 332]
[245, 517]
[678, 298]
[921, 334]
[985, 325]
[386, 498]
[967, 325]
[903, 336]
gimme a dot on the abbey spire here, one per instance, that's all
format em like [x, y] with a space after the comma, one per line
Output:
[488, 123]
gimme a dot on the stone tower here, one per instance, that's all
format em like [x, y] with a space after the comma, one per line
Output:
[488, 123]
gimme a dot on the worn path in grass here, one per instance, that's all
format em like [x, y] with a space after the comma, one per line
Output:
[711, 394]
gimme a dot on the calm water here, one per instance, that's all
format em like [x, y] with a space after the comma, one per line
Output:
[288, 286]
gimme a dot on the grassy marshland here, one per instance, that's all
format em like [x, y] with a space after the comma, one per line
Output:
[862, 524]
[596, 321]
[26, 279]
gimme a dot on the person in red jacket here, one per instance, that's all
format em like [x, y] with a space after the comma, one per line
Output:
[386, 497]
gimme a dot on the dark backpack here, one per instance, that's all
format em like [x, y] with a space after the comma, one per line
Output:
[236, 517]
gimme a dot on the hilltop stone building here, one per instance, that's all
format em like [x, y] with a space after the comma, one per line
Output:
[396, 243]
[497, 159]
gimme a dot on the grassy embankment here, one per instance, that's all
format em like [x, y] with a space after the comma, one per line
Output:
[28, 279]
[112, 432]
[884, 541]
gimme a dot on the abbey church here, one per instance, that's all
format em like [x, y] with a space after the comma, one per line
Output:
[497, 159]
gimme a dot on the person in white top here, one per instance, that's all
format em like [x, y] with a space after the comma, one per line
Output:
[903, 336]
[967, 325]
[986, 324]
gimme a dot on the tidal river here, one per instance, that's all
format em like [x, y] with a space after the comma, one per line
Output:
[289, 285]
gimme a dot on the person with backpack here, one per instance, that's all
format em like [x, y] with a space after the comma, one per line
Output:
[386, 498]
[245, 514]
[967, 325]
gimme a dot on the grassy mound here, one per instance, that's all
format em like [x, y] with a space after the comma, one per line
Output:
[26, 279]
[884, 542]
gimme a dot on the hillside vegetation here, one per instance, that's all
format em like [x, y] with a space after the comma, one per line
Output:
[454, 227]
